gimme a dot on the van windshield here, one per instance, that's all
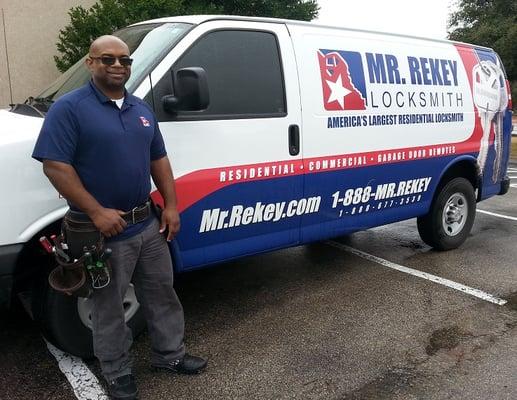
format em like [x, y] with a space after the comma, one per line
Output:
[147, 43]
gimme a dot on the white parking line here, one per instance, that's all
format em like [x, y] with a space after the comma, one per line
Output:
[433, 278]
[513, 185]
[83, 381]
[497, 215]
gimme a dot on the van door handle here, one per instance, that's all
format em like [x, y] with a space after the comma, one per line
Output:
[294, 140]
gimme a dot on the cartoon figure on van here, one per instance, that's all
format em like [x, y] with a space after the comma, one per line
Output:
[491, 100]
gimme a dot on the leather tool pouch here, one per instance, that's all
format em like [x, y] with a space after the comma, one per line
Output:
[70, 278]
[79, 232]
[87, 267]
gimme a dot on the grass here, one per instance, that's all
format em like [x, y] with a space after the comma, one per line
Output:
[513, 155]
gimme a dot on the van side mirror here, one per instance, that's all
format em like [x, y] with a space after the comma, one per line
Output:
[191, 91]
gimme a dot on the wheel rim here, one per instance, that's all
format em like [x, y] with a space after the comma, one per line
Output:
[455, 214]
[85, 305]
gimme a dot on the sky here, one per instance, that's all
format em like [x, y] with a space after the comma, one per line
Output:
[426, 18]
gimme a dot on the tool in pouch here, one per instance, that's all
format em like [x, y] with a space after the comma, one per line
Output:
[68, 276]
[97, 265]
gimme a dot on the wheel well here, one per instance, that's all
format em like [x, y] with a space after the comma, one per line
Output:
[33, 261]
[464, 169]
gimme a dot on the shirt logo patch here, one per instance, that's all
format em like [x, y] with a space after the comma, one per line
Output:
[145, 122]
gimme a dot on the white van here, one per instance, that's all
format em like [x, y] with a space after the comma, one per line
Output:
[280, 133]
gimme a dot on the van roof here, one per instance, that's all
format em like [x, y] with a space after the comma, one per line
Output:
[199, 19]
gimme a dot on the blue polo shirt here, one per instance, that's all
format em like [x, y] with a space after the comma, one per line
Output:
[110, 148]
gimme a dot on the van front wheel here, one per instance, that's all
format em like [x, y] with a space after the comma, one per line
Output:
[451, 216]
[66, 320]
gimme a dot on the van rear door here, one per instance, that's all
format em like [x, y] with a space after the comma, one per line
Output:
[237, 164]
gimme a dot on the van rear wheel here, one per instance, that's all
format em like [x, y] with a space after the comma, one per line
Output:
[450, 219]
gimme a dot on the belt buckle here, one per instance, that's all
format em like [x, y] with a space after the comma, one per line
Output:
[133, 215]
[138, 209]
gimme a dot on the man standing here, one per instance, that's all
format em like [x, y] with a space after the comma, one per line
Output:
[99, 146]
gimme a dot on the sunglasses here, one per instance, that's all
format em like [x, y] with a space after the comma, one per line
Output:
[110, 60]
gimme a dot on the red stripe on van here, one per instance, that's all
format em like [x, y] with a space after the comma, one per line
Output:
[199, 184]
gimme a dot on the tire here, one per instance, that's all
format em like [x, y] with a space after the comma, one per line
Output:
[66, 320]
[451, 216]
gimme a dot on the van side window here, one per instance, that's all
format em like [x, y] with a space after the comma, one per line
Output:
[244, 76]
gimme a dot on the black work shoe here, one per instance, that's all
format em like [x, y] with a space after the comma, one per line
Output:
[123, 388]
[188, 365]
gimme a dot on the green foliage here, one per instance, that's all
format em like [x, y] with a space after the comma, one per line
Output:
[107, 16]
[491, 23]
[292, 9]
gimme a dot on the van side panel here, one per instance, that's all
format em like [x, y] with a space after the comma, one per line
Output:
[384, 118]
[239, 184]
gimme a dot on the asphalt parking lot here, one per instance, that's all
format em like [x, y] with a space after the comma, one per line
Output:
[328, 321]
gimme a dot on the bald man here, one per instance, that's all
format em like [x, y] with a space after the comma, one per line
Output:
[99, 146]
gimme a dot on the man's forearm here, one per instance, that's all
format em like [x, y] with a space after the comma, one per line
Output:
[66, 181]
[163, 178]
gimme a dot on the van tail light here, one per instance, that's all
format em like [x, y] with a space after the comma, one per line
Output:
[510, 104]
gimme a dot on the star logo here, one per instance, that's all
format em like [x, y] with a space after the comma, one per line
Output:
[342, 80]
[338, 92]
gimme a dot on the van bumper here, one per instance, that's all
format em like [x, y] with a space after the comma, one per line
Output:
[505, 185]
[8, 257]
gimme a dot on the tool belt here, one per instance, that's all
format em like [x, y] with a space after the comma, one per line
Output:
[81, 255]
[80, 231]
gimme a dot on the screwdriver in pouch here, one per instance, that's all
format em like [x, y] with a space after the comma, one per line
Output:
[88, 260]
[106, 254]
[100, 263]
[45, 243]
[59, 251]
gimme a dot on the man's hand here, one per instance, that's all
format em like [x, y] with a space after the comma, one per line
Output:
[162, 176]
[108, 221]
[171, 221]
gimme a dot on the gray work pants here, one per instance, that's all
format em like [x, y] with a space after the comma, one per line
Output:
[144, 259]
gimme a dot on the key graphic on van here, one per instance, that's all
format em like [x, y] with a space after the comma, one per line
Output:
[489, 99]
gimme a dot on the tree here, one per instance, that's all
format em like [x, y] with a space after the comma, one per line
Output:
[107, 16]
[292, 9]
[491, 23]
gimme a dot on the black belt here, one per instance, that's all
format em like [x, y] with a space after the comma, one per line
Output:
[81, 221]
[138, 214]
